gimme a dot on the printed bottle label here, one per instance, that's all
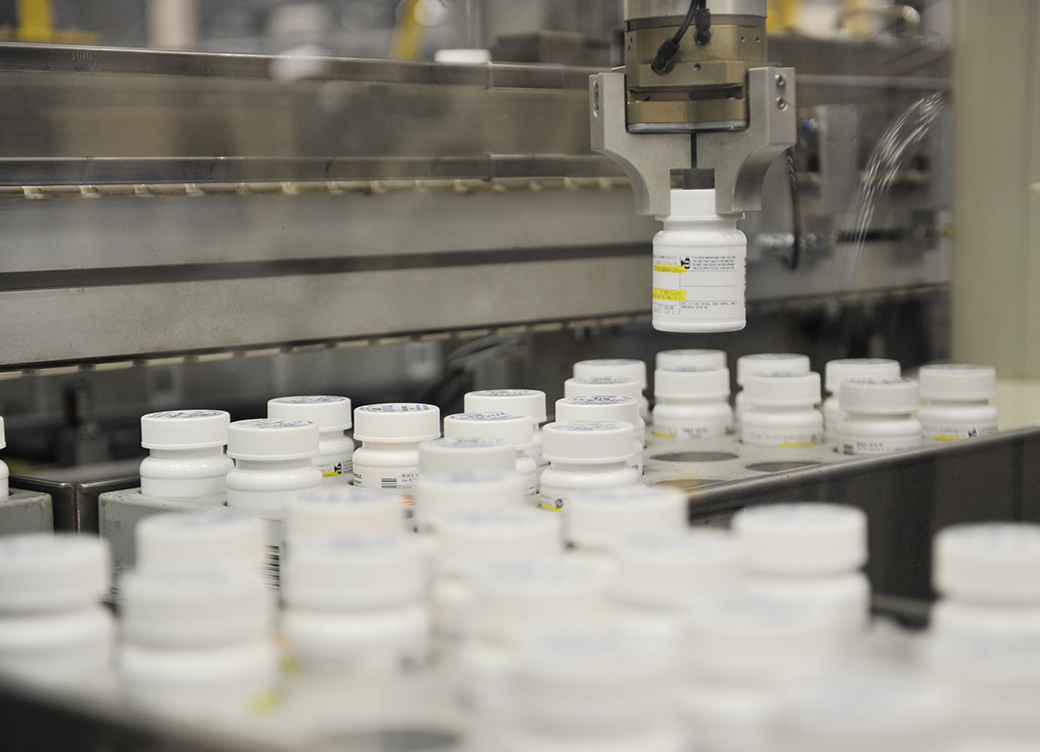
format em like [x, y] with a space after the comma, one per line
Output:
[940, 432]
[703, 286]
[335, 466]
[878, 446]
[686, 432]
[781, 439]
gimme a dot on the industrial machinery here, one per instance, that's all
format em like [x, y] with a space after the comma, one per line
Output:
[181, 227]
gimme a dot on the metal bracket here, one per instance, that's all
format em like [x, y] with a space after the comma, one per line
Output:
[647, 159]
[739, 159]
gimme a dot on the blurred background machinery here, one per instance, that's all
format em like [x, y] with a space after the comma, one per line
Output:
[216, 202]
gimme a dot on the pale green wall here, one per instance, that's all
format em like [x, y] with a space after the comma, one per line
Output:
[996, 273]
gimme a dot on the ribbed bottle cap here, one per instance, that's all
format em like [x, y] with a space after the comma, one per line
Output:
[601, 678]
[353, 570]
[766, 362]
[219, 536]
[397, 422]
[329, 412]
[600, 519]
[692, 382]
[509, 596]
[802, 538]
[617, 367]
[193, 605]
[782, 388]
[41, 572]
[995, 562]
[857, 368]
[319, 512]
[879, 396]
[466, 491]
[461, 453]
[598, 407]
[662, 569]
[669, 360]
[955, 382]
[266, 439]
[860, 711]
[529, 402]
[588, 441]
[184, 429]
[743, 637]
[518, 430]
[466, 538]
[591, 386]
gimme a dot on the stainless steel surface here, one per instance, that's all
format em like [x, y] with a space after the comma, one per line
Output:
[646, 159]
[740, 160]
[839, 156]
[908, 496]
[24, 511]
[75, 504]
[635, 9]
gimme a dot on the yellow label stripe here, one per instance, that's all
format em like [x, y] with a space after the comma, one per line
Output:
[799, 444]
[676, 295]
[669, 268]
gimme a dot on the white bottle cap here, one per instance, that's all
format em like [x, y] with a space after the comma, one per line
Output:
[696, 203]
[669, 360]
[782, 388]
[461, 453]
[600, 519]
[618, 367]
[995, 562]
[661, 569]
[737, 636]
[860, 711]
[956, 383]
[318, 512]
[467, 491]
[329, 412]
[266, 439]
[837, 371]
[598, 678]
[462, 56]
[353, 571]
[219, 536]
[802, 538]
[42, 572]
[591, 386]
[872, 396]
[397, 422]
[518, 430]
[468, 538]
[184, 429]
[598, 407]
[766, 362]
[591, 442]
[529, 402]
[692, 382]
[508, 596]
[193, 605]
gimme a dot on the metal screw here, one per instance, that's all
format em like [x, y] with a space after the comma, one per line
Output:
[781, 82]
[781, 103]
[595, 99]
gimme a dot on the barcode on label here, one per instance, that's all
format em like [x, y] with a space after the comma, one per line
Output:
[388, 482]
[272, 567]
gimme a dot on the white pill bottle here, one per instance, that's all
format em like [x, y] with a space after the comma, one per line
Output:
[700, 265]
[956, 402]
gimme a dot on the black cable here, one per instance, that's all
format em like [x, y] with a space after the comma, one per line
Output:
[796, 213]
[662, 62]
